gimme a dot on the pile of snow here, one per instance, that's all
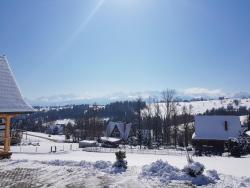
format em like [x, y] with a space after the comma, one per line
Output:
[166, 173]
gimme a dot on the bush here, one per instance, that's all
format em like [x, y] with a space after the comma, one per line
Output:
[120, 160]
[194, 169]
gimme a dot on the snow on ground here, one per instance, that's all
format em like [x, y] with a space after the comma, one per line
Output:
[200, 107]
[226, 165]
[46, 172]
[34, 148]
[55, 138]
[77, 168]
[41, 144]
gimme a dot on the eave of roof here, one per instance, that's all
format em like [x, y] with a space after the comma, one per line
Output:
[11, 100]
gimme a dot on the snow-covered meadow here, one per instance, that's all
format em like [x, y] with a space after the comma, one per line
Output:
[76, 168]
[200, 107]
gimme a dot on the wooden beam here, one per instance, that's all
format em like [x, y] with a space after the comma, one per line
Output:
[5, 151]
[7, 138]
[4, 116]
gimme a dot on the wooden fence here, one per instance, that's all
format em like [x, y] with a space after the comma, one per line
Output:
[173, 152]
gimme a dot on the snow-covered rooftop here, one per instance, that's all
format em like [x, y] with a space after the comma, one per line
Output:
[65, 122]
[11, 100]
[123, 128]
[214, 128]
[110, 139]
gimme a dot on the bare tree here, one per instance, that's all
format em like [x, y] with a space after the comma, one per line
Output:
[157, 121]
[148, 113]
[168, 97]
[186, 113]
[248, 122]
[138, 112]
[175, 124]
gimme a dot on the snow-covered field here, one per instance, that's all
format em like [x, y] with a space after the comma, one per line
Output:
[76, 168]
[55, 138]
[200, 107]
[40, 143]
[82, 169]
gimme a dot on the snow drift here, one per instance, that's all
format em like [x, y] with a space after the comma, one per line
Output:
[166, 173]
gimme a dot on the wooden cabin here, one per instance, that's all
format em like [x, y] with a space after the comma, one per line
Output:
[12, 104]
[118, 130]
[212, 132]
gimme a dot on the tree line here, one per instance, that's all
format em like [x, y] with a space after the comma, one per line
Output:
[158, 121]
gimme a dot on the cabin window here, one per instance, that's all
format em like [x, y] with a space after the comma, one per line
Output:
[226, 126]
[1, 121]
[115, 133]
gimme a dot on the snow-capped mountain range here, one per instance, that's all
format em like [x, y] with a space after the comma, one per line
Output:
[187, 94]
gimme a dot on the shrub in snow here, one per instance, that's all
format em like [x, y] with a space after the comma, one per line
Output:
[194, 169]
[120, 163]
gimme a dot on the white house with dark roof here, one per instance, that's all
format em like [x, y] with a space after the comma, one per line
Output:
[58, 126]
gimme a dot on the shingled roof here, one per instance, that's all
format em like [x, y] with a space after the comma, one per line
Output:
[11, 100]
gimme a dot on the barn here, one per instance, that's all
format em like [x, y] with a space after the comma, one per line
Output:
[212, 132]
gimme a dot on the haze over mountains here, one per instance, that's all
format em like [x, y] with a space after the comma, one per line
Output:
[187, 94]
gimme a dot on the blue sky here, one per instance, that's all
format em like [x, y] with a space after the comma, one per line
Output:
[95, 47]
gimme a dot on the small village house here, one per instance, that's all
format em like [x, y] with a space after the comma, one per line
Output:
[115, 133]
[212, 132]
[118, 130]
[58, 127]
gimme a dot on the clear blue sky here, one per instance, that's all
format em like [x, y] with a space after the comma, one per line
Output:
[79, 46]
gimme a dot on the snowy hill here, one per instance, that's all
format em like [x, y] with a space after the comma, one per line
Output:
[199, 107]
